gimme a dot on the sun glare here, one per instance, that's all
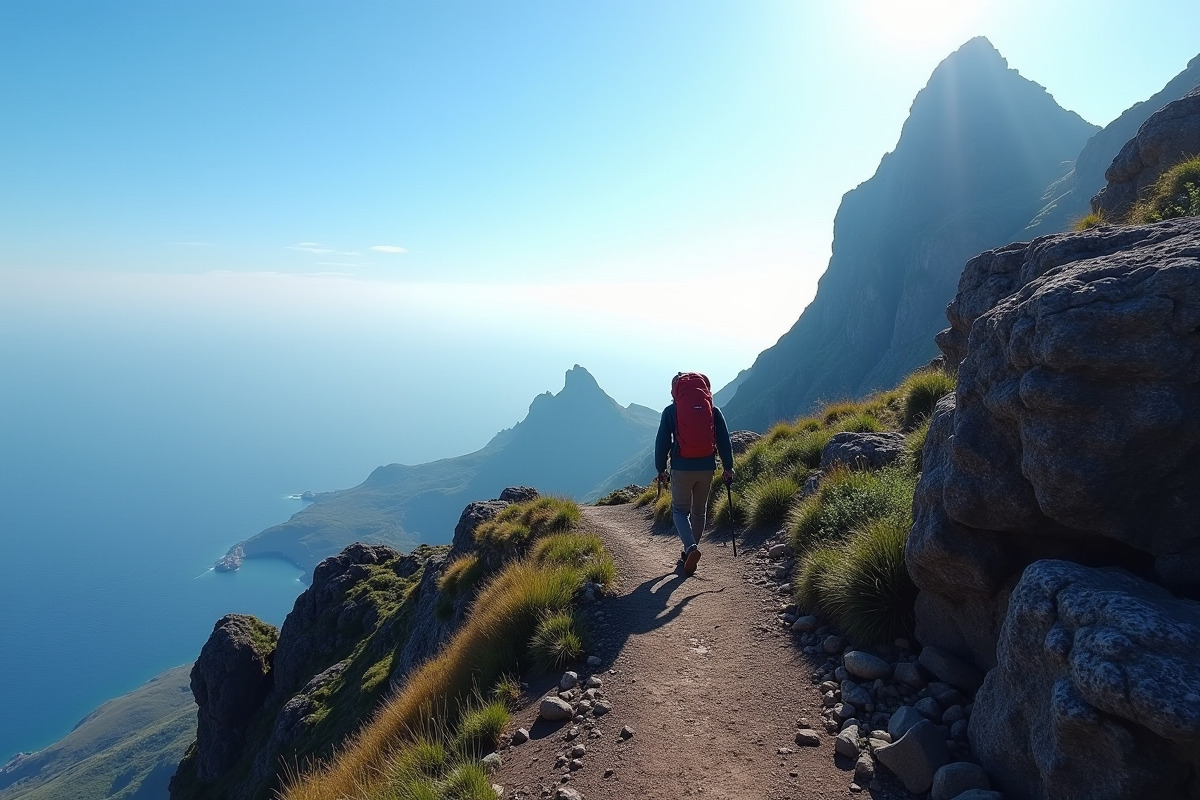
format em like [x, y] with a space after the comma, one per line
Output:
[918, 24]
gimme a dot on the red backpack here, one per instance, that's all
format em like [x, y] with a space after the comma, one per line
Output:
[694, 432]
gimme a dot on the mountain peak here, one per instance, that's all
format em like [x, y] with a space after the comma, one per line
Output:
[579, 378]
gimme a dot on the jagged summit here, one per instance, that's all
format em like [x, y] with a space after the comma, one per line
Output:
[979, 146]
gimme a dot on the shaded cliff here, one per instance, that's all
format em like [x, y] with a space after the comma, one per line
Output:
[570, 443]
[979, 147]
[1069, 199]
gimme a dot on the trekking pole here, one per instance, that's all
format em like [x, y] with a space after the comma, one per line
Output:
[732, 521]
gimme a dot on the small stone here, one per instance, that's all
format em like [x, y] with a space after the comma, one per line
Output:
[492, 762]
[865, 666]
[846, 743]
[844, 711]
[608, 773]
[929, 708]
[807, 737]
[953, 779]
[569, 680]
[916, 756]
[555, 709]
[953, 714]
[578, 751]
[571, 733]
[567, 793]
[958, 731]
[594, 661]
[601, 708]
[594, 682]
[855, 695]
[908, 673]
[855, 788]
[575, 764]
[904, 718]
[783, 751]
[784, 588]
[833, 644]
[806, 624]
[626, 732]
[520, 736]
[951, 669]
[864, 770]
[778, 551]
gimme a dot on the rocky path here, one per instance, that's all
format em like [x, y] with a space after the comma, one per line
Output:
[707, 688]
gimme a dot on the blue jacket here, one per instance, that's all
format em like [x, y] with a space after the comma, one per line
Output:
[665, 443]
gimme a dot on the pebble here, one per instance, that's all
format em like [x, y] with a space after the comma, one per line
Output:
[569, 680]
[575, 764]
[626, 732]
[929, 708]
[846, 743]
[601, 708]
[578, 751]
[594, 682]
[864, 769]
[555, 709]
[806, 624]
[778, 551]
[865, 666]
[520, 736]
[833, 644]
[492, 761]
[807, 737]
[567, 793]
[594, 661]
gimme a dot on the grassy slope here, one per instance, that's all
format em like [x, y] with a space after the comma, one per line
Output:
[127, 748]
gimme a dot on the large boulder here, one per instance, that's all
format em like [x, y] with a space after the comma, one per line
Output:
[862, 450]
[1096, 694]
[1074, 429]
[1169, 136]
[230, 680]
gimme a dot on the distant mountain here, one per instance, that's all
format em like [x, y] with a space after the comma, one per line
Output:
[572, 443]
[979, 147]
[127, 749]
[1068, 200]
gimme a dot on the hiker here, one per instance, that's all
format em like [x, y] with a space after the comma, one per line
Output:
[692, 431]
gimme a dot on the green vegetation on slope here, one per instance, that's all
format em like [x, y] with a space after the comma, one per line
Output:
[521, 615]
[848, 533]
[127, 749]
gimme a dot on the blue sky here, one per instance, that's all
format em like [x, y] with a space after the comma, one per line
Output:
[589, 178]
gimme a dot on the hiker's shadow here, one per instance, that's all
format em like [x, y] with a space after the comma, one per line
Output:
[653, 604]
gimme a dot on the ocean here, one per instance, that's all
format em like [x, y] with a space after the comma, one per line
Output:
[148, 422]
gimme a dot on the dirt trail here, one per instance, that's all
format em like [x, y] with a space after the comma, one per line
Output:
[703, 673]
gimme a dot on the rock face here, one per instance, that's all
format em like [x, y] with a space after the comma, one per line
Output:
[1097, 692]
[967, 174]
[1067, 200]
[1075, 427]
[1071, 449]
[1169, 136]
[230, 679]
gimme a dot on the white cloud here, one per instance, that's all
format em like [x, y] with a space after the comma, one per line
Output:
[388, 248]
[318, 249]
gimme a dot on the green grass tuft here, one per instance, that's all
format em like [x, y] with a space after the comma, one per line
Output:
[556, 642]
[847, 499]
[770, 501]
[520, 524]
[922, 391]
[812, 570]
[1088, 221]
[480, 727]
[914, 443]
[1175, 194]
[867, 590]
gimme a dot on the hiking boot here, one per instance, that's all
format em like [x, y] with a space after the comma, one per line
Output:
[690, 562]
